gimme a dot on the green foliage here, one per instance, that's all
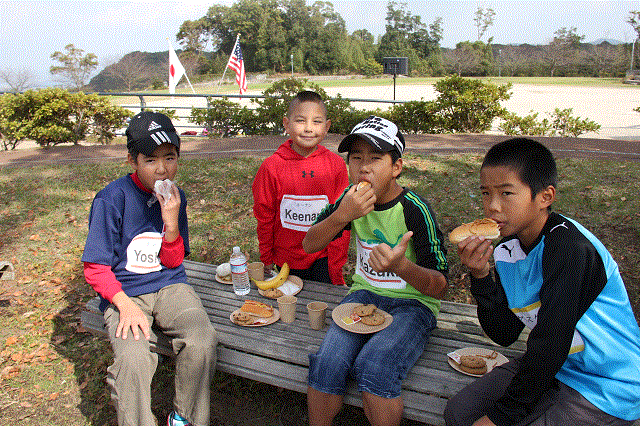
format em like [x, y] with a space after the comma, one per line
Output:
[561, 123]
[526, 126]
[371, 67]
[565, 124]
[12, 129]
[416, 117]
[223, 118]
[75, 67]
[468, 105]
[273, 107]
[53, 116]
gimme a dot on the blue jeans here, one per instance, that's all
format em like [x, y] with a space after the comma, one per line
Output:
[378, 362]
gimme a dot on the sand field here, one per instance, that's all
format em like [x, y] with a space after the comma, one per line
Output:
[611, 107]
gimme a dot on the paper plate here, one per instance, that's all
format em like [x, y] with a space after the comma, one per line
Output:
[293, 280]
[346, 309]
[262, 321]
[220, 280]
[485, 353]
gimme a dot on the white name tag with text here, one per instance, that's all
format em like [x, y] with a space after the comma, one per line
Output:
[298, 212]
[376, 279]
[142, 253]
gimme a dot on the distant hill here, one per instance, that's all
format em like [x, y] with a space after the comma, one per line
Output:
[135, 71]
[606, 40]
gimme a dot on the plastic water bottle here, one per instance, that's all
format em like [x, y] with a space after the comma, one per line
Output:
[239, 272]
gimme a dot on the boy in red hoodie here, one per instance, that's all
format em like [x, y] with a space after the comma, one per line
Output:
[290, 189]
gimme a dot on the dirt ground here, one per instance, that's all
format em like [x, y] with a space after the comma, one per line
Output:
[284, 407]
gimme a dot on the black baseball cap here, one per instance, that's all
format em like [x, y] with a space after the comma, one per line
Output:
[381, 133]
[148, 130]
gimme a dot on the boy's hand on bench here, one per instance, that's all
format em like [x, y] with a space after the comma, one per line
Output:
[131, 317]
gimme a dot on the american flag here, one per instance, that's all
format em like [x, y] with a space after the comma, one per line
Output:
[236, 63]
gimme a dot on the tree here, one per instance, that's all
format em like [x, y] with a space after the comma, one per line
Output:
[561, 51]
[634, 21]
[131, 71]
[483, 20]
[406, 35]
[17, 81]
[75, 67]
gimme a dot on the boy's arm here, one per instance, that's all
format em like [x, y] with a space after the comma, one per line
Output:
[265, 212]
[353, 205]
[103, 280]
[495, 317]
[338, 249]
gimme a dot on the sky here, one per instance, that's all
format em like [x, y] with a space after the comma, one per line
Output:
[30, 31]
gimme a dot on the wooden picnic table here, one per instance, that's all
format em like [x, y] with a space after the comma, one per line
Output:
[278, 354]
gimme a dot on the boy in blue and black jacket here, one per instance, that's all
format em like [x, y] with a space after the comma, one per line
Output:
[582, 363]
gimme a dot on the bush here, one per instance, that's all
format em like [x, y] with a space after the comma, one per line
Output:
[223, 118]
[53, 116]
[562, 124]
[416, 117]
[273, 107]
[468, 105]
[566, 125]
[12, 128]
[526, 126]
[463, 105]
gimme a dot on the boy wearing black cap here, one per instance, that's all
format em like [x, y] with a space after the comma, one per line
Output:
[401, 269]
[138, 237]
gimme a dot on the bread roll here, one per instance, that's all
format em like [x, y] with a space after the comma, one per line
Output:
[257, 308]
[487, 228]
[362, 185]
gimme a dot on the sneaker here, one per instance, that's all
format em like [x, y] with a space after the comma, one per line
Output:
[174, 419]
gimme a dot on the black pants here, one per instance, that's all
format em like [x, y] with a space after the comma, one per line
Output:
[318, 271]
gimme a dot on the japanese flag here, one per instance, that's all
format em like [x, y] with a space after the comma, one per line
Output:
[176, 70]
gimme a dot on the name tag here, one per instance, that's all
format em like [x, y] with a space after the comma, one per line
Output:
[529, 316]
[142, 253]
[298, 212]
[376, 279]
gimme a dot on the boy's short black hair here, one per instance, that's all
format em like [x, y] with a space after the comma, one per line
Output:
[531, 160]
[306, 96]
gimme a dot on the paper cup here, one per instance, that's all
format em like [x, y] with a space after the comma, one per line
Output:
[256, 270]
[287, 308]
[317, 312]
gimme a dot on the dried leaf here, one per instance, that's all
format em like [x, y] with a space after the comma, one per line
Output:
[11, 340]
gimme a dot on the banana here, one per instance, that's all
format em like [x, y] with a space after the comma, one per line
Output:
[276, 281]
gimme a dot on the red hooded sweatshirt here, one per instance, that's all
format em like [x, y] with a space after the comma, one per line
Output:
[289, 191]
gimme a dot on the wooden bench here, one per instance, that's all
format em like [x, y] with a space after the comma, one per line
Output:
[278, 354]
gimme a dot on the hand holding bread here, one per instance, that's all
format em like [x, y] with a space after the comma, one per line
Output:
[487, 228]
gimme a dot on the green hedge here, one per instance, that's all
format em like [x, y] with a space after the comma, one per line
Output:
[53, 116]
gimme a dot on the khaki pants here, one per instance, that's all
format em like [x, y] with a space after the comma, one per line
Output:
[178, 312]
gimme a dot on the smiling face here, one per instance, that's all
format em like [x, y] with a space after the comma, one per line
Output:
[307, 125]
[162, 164]
[508, 201]
[369, 165]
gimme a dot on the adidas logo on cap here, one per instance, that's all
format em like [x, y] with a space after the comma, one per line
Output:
[153, 126]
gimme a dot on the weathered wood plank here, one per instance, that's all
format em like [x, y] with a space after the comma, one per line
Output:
[279, 354]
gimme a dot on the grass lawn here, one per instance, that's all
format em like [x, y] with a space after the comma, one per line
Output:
[52, 373]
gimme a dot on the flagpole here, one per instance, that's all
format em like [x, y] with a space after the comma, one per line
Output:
[225, 67]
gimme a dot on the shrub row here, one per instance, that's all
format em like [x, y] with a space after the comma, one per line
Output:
[53, 116]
